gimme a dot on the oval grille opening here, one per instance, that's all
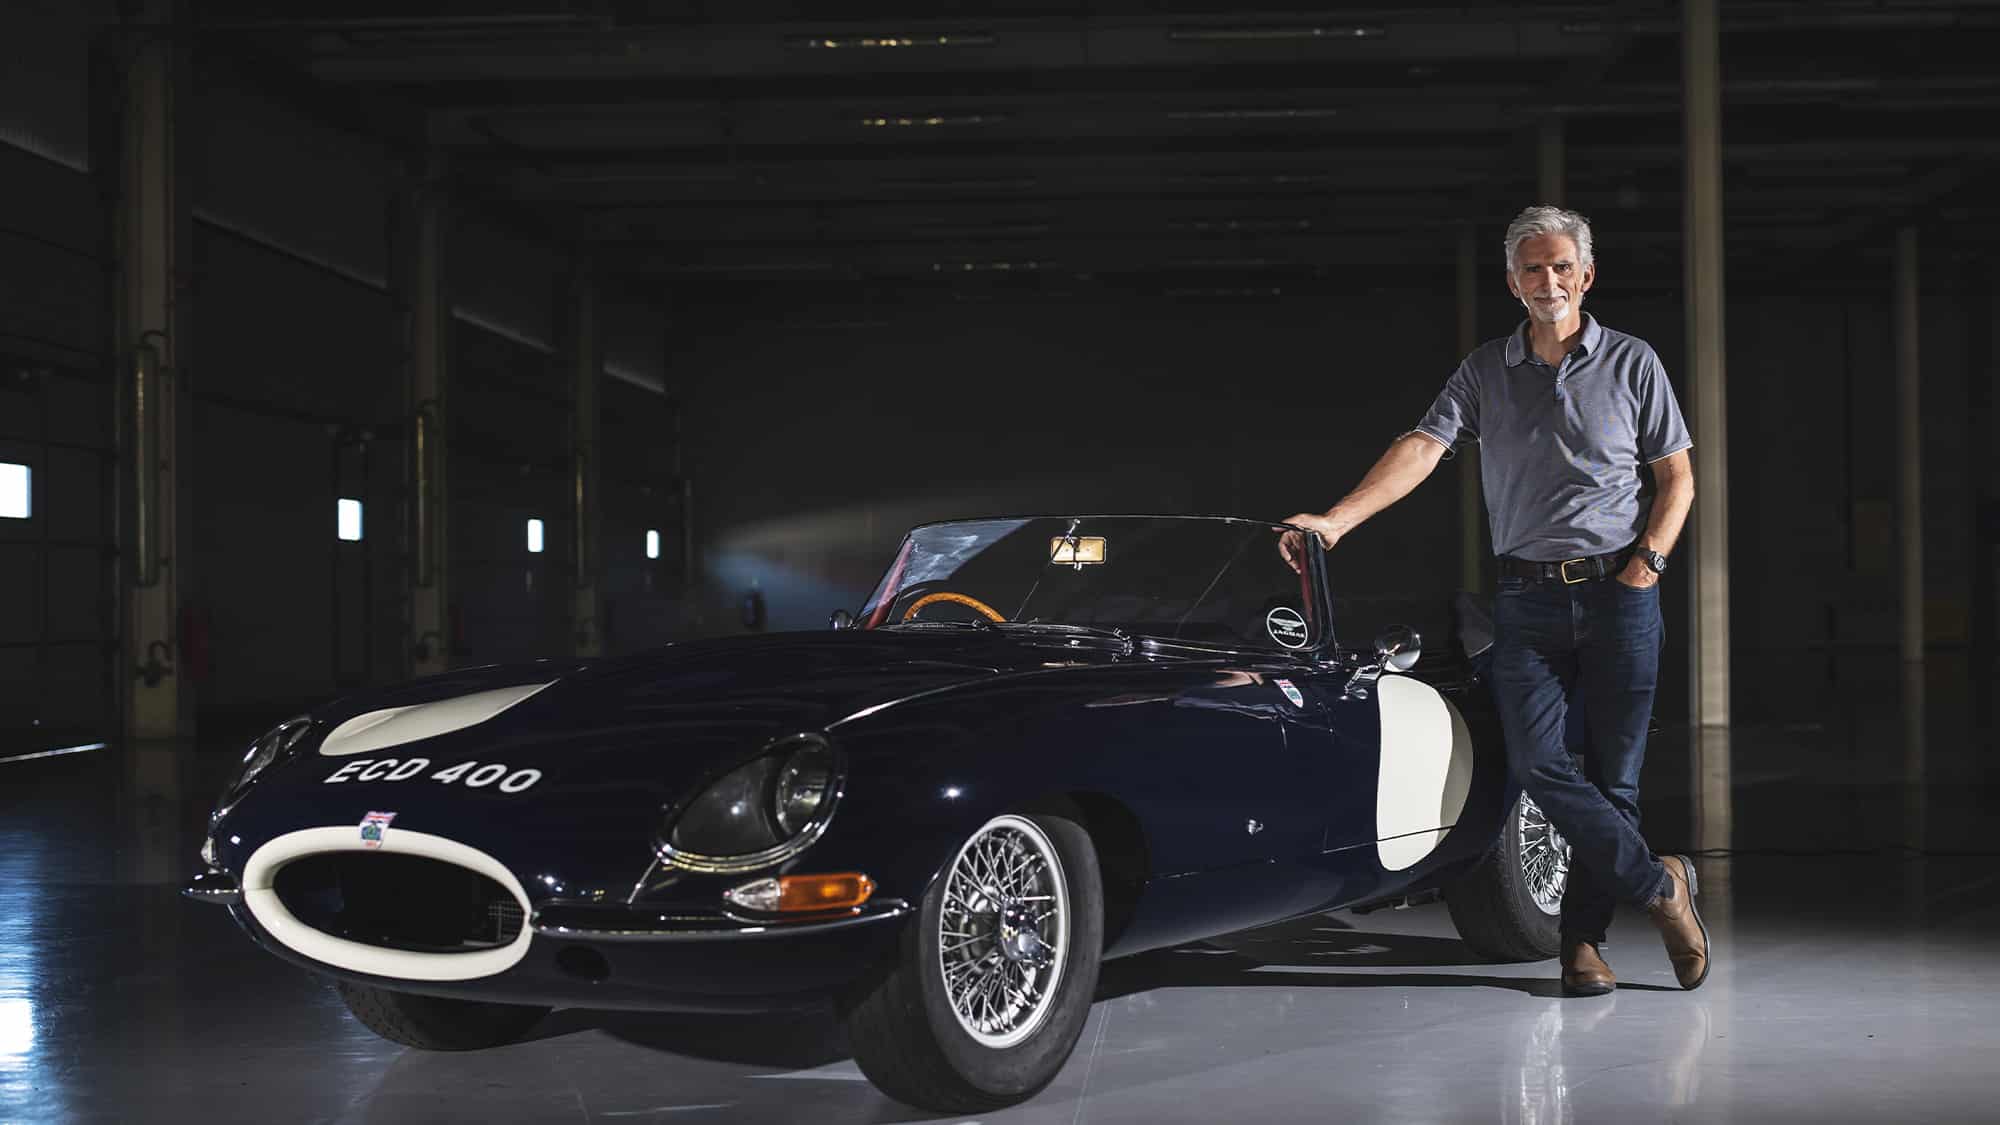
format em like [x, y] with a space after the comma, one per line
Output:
[396, 901]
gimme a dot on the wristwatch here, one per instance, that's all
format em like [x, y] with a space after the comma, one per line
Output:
[1654, 560]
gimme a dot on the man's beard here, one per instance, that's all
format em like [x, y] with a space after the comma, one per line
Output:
[1548, 314]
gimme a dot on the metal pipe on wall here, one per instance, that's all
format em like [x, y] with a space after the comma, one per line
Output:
[146, 465]
[585, 361]
[335, 441]
[1702, 234]
[423, 438]
[689, 581]
[427, 308]
[1909, 446]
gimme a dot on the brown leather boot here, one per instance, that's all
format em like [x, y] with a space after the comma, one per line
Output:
[1584, 970]
[1680, 923]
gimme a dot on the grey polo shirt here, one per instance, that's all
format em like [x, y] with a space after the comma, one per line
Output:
[1563, 449]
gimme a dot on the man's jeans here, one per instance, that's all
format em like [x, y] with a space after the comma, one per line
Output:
[1595, 645]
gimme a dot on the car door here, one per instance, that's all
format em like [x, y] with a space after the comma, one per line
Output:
[1211, 770]
[1229, 775]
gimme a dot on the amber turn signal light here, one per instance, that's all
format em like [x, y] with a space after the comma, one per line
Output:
[803, 893]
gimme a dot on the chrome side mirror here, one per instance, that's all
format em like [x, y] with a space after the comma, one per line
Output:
[1398, 648]
[841, 619]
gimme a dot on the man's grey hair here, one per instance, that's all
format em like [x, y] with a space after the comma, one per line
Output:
[1535, 221]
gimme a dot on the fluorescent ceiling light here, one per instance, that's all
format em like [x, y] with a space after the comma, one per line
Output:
[1275, 33]
[1283, 113]
[1240, 224]
[970, 267]
[534, 537]
[652, 544]
[971, 184]
[889, 42]
[930, 120]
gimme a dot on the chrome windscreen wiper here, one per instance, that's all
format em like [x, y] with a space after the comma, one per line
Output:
[1065, 627]
[1152, 643]
[1062, 629]
[976, 623]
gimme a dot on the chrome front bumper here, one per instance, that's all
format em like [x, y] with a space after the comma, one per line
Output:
[589, 923]
[213, 886]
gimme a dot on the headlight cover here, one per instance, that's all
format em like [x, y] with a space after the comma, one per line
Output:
[760, 813]
[272, 746]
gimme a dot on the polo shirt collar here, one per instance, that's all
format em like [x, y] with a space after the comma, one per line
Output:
[1517, 344]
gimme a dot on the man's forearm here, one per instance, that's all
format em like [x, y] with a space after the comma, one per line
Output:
[1402, 468]
[1669, 514]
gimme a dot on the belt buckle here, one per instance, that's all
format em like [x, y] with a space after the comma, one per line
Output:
[1567, 580]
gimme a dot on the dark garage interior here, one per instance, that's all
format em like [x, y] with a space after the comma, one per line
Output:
[344, 344]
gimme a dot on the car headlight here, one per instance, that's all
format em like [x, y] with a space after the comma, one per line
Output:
[273, 746]
[762, 812]
[804, 783]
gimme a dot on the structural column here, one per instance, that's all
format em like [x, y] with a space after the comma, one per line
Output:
[1471, 500]
[1909, 446]
[426, 309]
[151, 320]
[1983, 514]
[1708, 563]
[584, 358]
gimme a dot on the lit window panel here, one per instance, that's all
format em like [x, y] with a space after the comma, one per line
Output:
[15, 489]
[348, 519]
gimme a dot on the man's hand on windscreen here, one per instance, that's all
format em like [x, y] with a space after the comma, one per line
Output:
[1292, 545]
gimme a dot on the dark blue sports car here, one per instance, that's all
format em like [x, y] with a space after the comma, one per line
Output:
[1042, 742]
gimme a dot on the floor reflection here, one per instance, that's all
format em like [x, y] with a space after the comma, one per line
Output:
[1714, 817]
[23, 1059]
[1916, 775]
[1557, 1052]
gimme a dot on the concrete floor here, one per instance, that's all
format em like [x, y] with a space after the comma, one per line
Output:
[1847, 987]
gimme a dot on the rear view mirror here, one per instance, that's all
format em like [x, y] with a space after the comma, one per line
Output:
[841, 619]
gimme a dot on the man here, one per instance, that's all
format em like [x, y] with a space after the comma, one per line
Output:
[1571, 417]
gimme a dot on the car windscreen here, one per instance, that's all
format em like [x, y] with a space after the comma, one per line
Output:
[1196, 580]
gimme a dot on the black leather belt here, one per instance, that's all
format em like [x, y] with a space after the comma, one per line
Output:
[1569, 571]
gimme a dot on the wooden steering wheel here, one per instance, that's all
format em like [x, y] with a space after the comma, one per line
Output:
[987, 611]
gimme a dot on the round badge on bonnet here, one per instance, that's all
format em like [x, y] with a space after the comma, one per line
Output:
[1286, 627]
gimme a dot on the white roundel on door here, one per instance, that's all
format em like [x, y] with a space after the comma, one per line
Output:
[1426, 770]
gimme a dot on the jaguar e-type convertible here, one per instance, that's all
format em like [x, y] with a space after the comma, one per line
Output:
[1041, 743]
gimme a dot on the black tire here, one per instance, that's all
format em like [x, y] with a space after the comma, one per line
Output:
[435, 1023]
[1493, 904]
[906, 1035]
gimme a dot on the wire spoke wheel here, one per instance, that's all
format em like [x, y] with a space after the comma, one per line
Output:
[1544, 857]
[992, 983]
[1003, 931]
